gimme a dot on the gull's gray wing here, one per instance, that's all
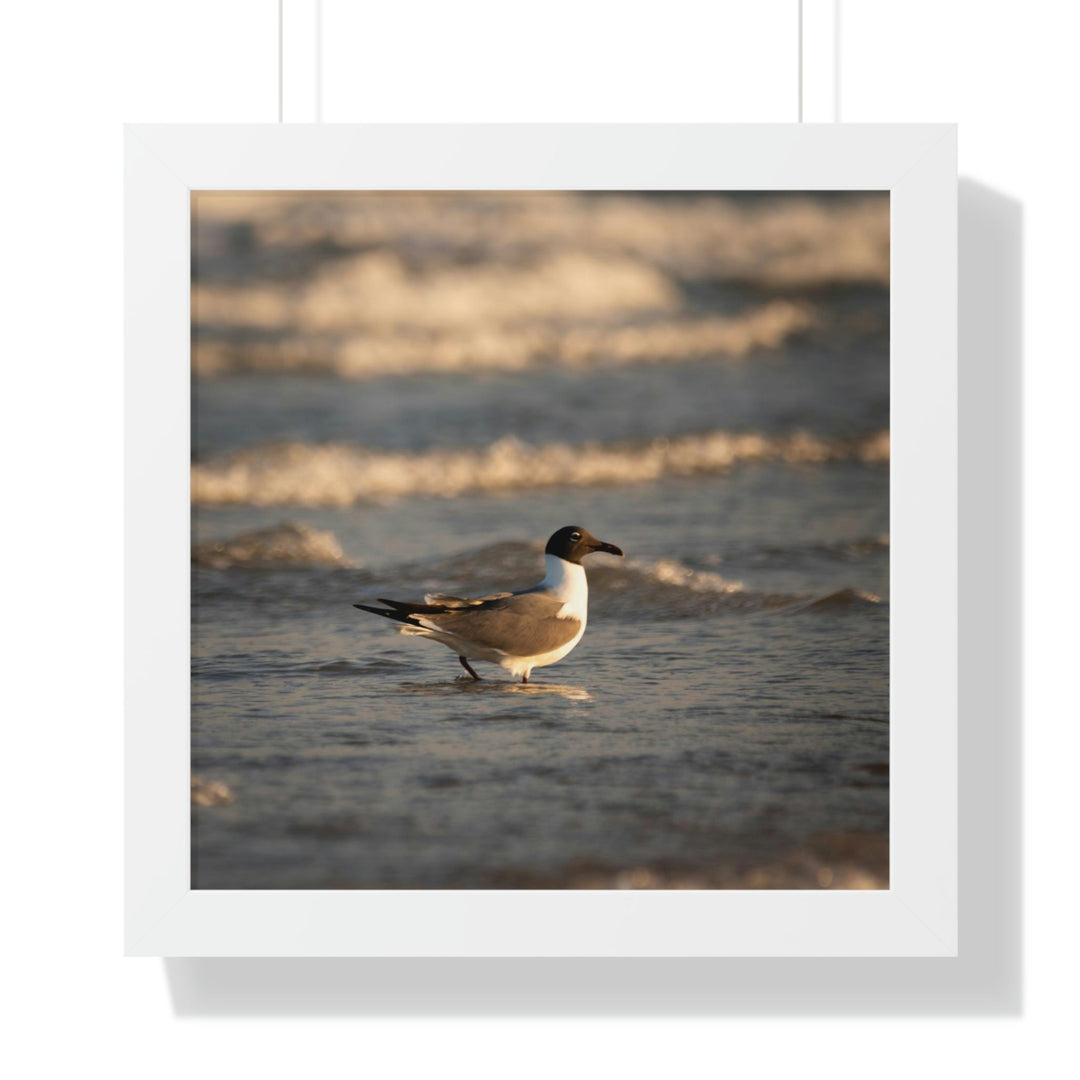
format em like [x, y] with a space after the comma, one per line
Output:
[446, 601]
[522, 624]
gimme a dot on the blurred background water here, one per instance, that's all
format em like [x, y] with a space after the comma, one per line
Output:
[401, 393]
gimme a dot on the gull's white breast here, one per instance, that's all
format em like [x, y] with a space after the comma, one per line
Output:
[566, 581]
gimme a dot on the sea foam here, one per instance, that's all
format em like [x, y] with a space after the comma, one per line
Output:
[340, 474]
[490, 346]
[782, 241]
[285, 545]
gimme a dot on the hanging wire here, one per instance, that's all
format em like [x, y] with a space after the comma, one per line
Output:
[318, 62]
[280, 63]
[838, 8]
[800, 61]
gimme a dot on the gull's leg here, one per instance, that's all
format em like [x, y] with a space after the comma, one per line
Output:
[524, 678]
[468, 667]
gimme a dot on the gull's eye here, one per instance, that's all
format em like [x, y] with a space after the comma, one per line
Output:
[575, 536]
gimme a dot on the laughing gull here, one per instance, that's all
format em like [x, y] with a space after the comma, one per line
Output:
[520, 630]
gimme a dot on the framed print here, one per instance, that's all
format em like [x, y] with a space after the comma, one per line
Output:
[530, 535]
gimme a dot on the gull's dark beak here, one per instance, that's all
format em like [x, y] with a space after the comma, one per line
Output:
[611, 549]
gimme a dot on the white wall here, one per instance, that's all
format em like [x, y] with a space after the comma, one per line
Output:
[70, 74]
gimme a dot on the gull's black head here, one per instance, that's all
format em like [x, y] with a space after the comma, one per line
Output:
[573, 543]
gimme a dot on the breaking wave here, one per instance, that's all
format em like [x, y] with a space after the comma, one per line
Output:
[841, 600]
[286, 545]
[338, 474]
[373, 284]
[669, 589]
[504, 348]
[781, 241]
[378, 291]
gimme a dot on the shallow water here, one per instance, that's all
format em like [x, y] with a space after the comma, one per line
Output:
[728, 704]
[724, 721]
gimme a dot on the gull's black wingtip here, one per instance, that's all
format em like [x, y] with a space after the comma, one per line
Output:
[398, 616]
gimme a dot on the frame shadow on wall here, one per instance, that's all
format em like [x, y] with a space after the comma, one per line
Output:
[986, 978]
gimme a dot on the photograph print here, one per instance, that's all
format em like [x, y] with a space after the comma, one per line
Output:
[540, 540]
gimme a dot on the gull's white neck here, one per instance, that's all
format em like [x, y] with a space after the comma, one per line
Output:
[567, 581]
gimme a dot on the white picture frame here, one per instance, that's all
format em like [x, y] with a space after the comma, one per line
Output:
[917, 915]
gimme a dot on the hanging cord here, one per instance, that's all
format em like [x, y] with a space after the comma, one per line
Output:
[838, 11]
[281, 61]
[318, 62]
[800, 61]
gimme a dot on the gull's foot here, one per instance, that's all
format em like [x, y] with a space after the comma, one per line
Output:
[468, 667]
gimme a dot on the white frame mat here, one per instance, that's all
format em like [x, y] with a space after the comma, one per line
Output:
[917, 916]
